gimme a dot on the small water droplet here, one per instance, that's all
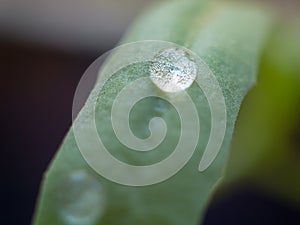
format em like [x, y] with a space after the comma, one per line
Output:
[80, 199]
[173, 69]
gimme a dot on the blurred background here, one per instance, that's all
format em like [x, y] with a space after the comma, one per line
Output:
[45, 47]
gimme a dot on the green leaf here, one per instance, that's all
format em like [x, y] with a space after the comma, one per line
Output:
[229, 38]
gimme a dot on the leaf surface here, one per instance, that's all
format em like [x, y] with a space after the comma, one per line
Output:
[229, 38]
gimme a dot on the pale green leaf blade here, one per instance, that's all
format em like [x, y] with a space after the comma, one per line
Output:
[229, 38]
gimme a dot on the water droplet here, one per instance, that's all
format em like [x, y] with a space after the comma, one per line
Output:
[173, 69]
[81, 199]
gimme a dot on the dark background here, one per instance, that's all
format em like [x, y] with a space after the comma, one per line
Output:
[38, 81]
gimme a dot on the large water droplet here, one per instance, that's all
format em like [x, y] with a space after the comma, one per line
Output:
[173, 69]
[81, 199]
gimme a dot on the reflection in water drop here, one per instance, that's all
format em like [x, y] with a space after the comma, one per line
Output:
[173, 69]
[81, 199]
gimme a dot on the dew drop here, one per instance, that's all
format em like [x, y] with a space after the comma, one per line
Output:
[173, 69]
[81, 199]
